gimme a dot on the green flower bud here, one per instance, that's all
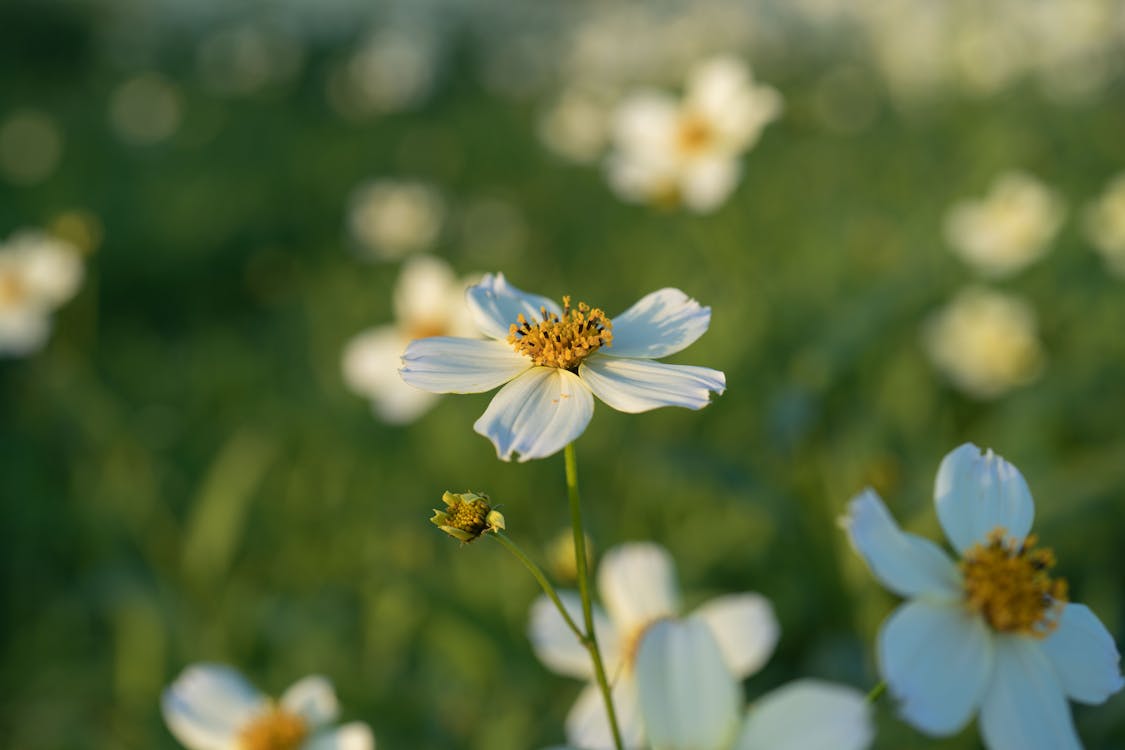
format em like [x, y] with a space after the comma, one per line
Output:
[467, 515]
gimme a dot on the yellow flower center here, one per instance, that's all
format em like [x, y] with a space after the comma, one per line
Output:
[12, 290]
[631, 644]
[564, 341]
[274, 730]
[694, 134]
[426, 329]
[1010, 586]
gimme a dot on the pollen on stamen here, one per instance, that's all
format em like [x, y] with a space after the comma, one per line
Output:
[274, 730]
[1009, 584]
[562, 341]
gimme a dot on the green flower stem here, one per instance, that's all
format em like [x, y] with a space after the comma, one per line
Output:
[539, 576]
[591, 639]
[877, 692]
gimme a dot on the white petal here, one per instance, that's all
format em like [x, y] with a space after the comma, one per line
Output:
[636, 385]
[808, 715]
[587, 726]
[495, 305]
[976, 493]
[352, 736]
[537, 414]
[208, 705]
[557, 646]
[427, 292]
[370, 366]
[637, 582]
[689, 699]
[23, 331]
[443, 364]
[312, 698]
[52, 267]
[746, 629]
[936, 660]
[645, 124]
[706, 183]
[1084, 656]
[659, 324]
[905, 563]
[1024, 708]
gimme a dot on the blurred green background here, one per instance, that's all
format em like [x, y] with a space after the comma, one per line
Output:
[185, 476]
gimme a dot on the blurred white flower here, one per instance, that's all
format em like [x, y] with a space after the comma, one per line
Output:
[1105, 224]
[429, 300]
[688, 152]
[993, 633]
[213, 707]
[38, 273]
[146, 109]
[576, 126]
[551, 361]
[1007, 230]
[392, 218]
[690, 700]
[985, 342]
[638, 587]
[392, 71]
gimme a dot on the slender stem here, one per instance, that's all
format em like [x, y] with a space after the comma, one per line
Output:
[539, 576]
[591, 639]
[877, 692]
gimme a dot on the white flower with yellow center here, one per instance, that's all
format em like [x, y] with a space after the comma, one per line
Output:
[985, 342]
[553, 360]
[637, 583]
[213, 707]
[1007, 230]
[671, 152]
[390, 219]
[429, 300]
[992, 633]
[38, 273]
[1105, 224]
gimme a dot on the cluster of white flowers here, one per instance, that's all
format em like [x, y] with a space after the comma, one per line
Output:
[38, 274]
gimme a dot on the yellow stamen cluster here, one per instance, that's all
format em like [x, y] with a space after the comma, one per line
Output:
[1010, 585]
[467, 515]
[274, 730]
[694, 134]
[564, 341]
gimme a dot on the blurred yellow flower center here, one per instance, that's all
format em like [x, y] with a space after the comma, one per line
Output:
[694, 134]
[1010, 585]
[564, 341]
[12, 290]
[274, 730]
[426, 329]
[631, 644]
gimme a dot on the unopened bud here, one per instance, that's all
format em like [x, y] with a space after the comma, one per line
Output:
[467, 515]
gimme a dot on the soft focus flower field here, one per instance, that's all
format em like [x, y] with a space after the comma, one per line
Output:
[203, 463]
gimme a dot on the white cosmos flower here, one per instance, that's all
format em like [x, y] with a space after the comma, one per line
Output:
[38, 273]
[554, 362]
[429, 300]
[986, 342]
[668, 151]
[213, 707]
[637, 583]
[390, 219]
[1008, 229]
[1105, 224]
[994, 633]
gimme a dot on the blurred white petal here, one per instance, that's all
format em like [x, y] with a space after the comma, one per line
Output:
[427, 292]
[937, 661]
[587, 725]
[208, 705]
[659, 324]
[443, 364]
[905, 563]
[537, 414]
[808, 715]
[637, 583]
[638, 385]
[351, 736]
[557, 646]
[745, 628]
[1024, 707]
[976, 493]
[23, 331]
[312, 698]
[1084, 656]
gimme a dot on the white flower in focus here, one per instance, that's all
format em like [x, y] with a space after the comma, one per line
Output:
[429, 300]
[690, 700]
[552, 361]
[637, 583]
[213, 707]
[1105, 224]
[985, 342]
[391, 218]
[687, 152]
[38, 273]
[992, 633]
[1008, 229]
